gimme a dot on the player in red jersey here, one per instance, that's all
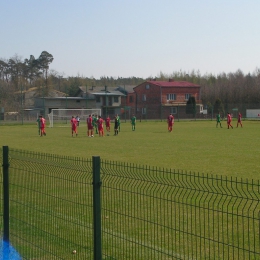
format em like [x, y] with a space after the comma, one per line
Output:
[229, 120]
[170, 121]
[108, 124]
[74, 124]
[100, 126]
[42, 125]
[239, 119]
[90, 126]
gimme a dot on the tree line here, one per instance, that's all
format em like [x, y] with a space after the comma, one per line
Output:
[217, 91]
[17, 74]
[224, 91]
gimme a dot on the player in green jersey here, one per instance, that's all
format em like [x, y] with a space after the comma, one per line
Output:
[38, 122]
[218, 120]
[94, 123]
[116, 124]
[133, 121]
[119, 123]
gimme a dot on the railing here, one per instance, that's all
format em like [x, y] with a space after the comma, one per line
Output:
[59, 208]
[159, 214]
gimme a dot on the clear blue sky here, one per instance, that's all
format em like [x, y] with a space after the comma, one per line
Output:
[141, 38]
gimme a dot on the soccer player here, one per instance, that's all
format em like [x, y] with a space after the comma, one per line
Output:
[133, 121]
[116, 125]
[100, 126]
[108, 123]
[38, 123]
[78, 120]
[170, 121]
[90, 126]
[218, 120]
[74, 124]
[239, 119]
[119, 123]
[42, 125]
[94, 122]
[229, 120]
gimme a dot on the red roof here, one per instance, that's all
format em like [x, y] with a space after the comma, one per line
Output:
[173, 83]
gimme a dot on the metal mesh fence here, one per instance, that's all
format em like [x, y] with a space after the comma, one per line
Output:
[150, 213]
[1, 197]
[206, 112]
[150, 111]
[147, 213]
[50, 205]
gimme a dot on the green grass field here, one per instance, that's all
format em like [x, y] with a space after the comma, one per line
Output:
[64, 212]
[196, 146]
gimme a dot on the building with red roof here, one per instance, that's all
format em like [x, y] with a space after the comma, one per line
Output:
[157, 99]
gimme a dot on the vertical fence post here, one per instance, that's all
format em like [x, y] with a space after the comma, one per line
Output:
[6, 203]
[97, 208]
[178, 113]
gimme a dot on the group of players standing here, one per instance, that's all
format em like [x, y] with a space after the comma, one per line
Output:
[229, 120]
[96, 123]
[170, 121]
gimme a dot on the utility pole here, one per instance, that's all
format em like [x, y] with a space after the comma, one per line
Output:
[43, 101]
[86, 96]
[59, 81]
[22, 101]
[66, 96]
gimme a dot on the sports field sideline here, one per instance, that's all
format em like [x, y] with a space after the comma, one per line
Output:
[196, 146]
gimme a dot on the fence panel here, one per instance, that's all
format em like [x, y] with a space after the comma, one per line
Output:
[50, 206]
[160, 112]
[147, 213]
[150, 213]
[1, 196]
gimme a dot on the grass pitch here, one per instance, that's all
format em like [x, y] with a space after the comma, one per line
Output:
[196, 146]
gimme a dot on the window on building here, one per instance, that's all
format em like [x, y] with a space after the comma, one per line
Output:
[116, 99]
[144, 97]
[131, 99]
[147, 86]
[187, 96]
[171, 96]
[98, 99]
[144, 110]
[173, 110]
